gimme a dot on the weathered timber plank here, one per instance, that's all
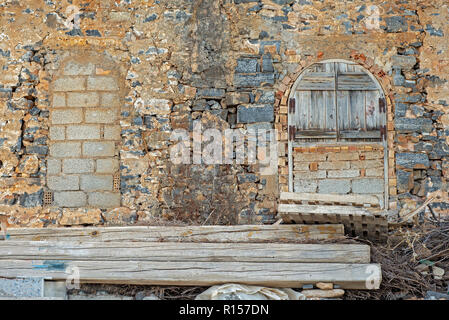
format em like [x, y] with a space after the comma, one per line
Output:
[349, 198]
[287, 275]
[184, 252]
[241, 233]
[323, 209]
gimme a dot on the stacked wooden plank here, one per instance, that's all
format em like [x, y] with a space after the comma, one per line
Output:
[254, 255]
[360, 214]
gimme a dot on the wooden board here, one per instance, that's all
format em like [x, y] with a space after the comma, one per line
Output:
[284, 275]
[350, 199]
[184, 252]
[322, 209]
[241, 233]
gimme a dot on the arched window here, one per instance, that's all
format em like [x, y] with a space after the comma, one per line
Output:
[336, 101]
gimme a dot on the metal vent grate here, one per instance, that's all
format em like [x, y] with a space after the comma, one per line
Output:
[48, 198]
[116, 182]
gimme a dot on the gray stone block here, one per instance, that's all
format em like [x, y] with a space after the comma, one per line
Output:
[66, 116]
[368, 186]
[104, 199]
[255, 113]
[102, 83]
[96, 182]
[74, 68]
[396, 24]
[247, 65]
[110, 99]
[210, 93]
[57, 133]
[413, 125]
[405, 62]
[83, 132]
[59, 100]
[83, 99]
[98, 149]
[78, 165]
[63, 183]
[70, 199]
[65, 149]
[107, 165]
[101, 115]
[26, 287]
[305, 186]
[53, 166]
[253, 80]
[343, 173]
[69, 84]
[412, 160]
[341, 186]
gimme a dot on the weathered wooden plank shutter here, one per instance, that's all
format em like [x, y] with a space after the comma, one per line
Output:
[338, 99]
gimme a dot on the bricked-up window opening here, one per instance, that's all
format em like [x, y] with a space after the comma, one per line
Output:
[337, 132]
[84, 134]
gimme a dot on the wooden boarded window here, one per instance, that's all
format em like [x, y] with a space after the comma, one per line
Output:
[337, 101]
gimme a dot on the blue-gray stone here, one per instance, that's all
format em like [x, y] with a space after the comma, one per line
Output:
[246, 65]
[413, 125]
[253, 80]
[255, 113]
[23, 287]
[412, 160]
[396, 24]
[404, 181]
[210, 93]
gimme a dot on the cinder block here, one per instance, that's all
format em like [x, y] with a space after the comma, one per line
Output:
[368, 186]
[74, 68]
[101, 115]
[305, 175]
[104, 199]
[305, 186]
[83, 132]
[376, 172]
[96, 182]
[65, 149]
[53, 166]
[102, 83]
[366, 164]
[301, 166]
[66, 116]
[70, 199]
[69, 84]
[107, 165]
[343, 156]
[343, 173]
[63, 183]
[98, 149]
[112, 132]
[333, 165]
[372, 155]
[57, 133]
[59, 100]
[309, 156]
[78, 165]
[341, 186]
[83, 99]
[110, 99]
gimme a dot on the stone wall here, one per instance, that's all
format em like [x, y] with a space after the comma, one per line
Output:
[228, 64]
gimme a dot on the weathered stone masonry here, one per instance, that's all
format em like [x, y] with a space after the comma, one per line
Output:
[228, 64]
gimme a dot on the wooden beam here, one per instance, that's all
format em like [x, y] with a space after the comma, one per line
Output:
[284, 275]
[241, 233]
[184, 252]
[322, 209]
[331, 198]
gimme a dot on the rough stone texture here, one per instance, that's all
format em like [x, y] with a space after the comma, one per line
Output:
[340, 186]
[369, 186]
[178, 61]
